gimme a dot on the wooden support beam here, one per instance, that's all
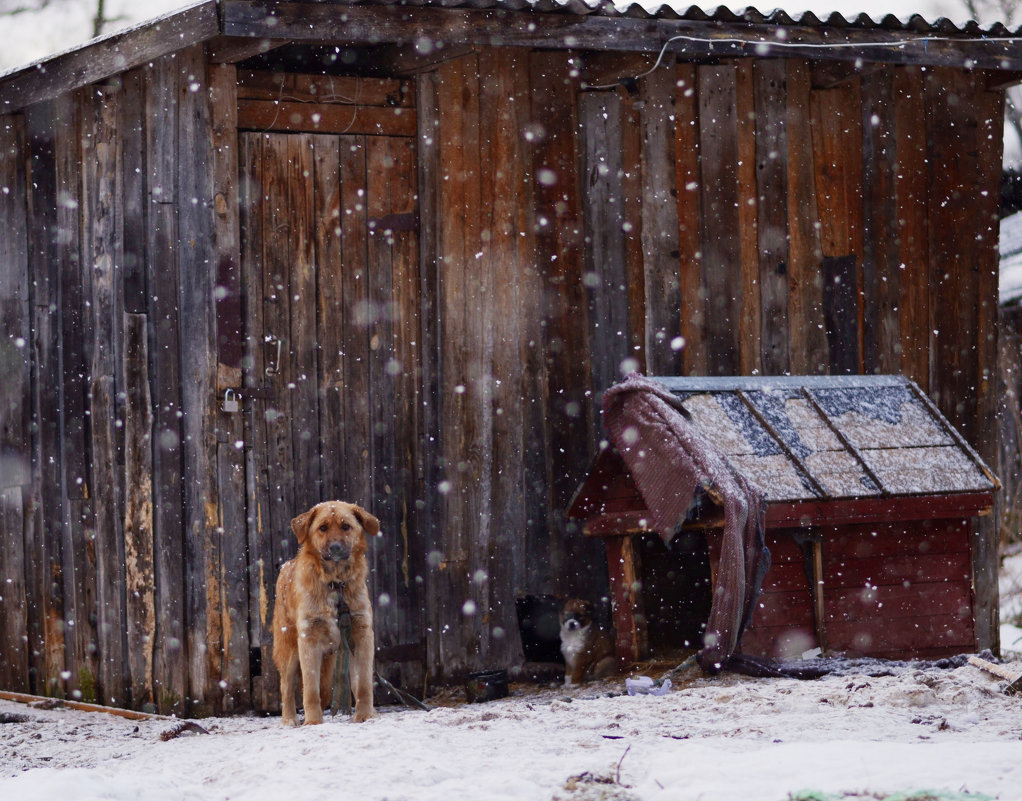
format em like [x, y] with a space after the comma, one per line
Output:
[231, 50]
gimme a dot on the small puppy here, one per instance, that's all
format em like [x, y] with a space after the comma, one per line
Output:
[587, 647]
[331, 563]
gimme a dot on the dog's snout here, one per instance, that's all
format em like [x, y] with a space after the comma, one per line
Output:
[572, 623]
[338, 551]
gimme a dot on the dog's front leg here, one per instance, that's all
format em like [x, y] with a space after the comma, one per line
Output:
[363, 653]
[288, 689]
[310, 656]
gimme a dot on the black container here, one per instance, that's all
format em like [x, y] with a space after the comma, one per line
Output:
[540, 627]
[487, 685]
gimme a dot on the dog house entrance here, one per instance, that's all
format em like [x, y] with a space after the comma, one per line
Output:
[676, 590]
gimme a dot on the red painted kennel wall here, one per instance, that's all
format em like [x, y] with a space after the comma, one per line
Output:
[895, 590]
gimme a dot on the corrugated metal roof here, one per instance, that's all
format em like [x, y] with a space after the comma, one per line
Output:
[915, 23]
[803, 438]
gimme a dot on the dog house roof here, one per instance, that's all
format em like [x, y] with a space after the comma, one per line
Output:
[801, 438]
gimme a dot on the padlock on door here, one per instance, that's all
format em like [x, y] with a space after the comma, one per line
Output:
[231, 403]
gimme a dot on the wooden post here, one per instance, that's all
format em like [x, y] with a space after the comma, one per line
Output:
[624, 568]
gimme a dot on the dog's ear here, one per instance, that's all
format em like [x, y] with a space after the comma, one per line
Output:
[369, 523]
[300, 526]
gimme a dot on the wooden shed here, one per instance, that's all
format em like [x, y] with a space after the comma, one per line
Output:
[871, 498]
[412, 243]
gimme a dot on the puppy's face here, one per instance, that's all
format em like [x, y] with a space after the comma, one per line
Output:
[335, 531]
[576, 614]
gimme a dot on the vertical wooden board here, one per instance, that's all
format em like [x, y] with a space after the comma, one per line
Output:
[534, 386]
[103, 252]
[170, 686]
[234, 609]
[427, 89]
[913, 230]
[952, 128]
[631, 210]
[688, 184]
[807, 338]
[751, 321]
[15, 322]
[721, 237]
[559, 242]
[881, 276]
[139, 544]
[466, 410]
[224, 165]
[162, 281]
[989, 146]
[14, 662]
[44, 588]
[276, 343]
[131, 130]
[404, 368]
[837, 156]
[503, 158]
[386, 491]
[198, 398]
[302, 386]
[660, 225]
[841, 313]
[261, 536]
[73, 150]
[606, 268]
[15, 408]
[353, 308]
[836, 125]
[331, 306]
[770, 92]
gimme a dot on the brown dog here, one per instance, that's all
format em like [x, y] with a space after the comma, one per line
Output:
[588, 648]
[331, 564]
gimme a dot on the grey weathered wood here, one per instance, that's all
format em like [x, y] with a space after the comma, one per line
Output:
[880, 266]
[15, 411]
[606, 270]
[139, 542]
[770, 89]
[807, 339]
[72, 149]
[198, 374]
[234, 607]
[44, 588]
[841, 312]
[102, 248]
[13, 620]
[170, 672]
[260, 534]
[718, 145]
[660, 247]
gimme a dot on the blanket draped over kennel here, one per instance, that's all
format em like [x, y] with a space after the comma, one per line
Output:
[673, 465]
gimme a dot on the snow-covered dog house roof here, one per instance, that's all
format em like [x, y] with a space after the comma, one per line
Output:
[854, 444]
[866, 485]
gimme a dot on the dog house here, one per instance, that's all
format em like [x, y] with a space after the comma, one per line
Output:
[870, 496]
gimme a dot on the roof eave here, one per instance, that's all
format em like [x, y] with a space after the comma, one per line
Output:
[108, 55]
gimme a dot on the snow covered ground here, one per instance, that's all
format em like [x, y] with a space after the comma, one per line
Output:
[949, 731]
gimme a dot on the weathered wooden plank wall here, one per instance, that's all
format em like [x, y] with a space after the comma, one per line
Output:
[442, 360]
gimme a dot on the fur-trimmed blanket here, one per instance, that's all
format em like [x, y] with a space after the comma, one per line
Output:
[670, 461]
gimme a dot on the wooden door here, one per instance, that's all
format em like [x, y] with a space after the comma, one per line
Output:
[332, 370]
